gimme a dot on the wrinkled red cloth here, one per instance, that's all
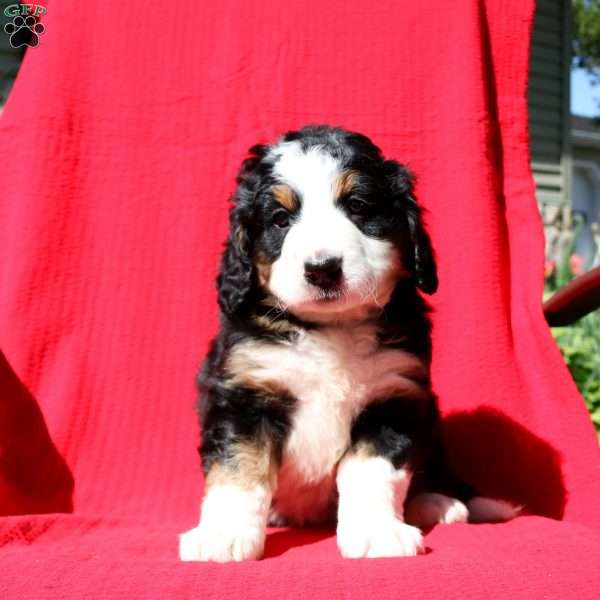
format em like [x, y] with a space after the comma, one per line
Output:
[119, 147]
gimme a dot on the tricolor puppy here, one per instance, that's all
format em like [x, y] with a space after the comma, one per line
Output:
[316, 401]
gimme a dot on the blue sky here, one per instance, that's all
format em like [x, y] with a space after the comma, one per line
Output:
[585, 98]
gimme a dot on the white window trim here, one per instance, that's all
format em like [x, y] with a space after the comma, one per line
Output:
[591, 168]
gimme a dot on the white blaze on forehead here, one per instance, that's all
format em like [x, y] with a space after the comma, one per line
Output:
[322, 229]
[312, 173]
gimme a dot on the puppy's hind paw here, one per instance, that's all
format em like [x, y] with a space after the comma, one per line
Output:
[429, 509]
[490, 510]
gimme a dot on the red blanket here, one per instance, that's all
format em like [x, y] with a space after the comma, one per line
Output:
[119, 148]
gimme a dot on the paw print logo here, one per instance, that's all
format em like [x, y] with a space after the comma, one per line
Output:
[24, 31]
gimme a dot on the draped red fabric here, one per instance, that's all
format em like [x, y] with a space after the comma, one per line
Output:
[119, 147]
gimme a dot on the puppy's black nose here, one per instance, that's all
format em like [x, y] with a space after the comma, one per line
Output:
[325, 273]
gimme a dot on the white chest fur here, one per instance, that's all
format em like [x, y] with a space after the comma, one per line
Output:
[332, 373]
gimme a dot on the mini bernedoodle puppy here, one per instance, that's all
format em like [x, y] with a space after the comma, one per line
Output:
[316, 403]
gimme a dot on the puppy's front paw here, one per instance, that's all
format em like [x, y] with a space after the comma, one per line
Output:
[222, 544]
[378, 538]
[232, 527]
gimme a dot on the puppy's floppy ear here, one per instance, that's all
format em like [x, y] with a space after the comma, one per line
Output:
[236, 275]
[421, 259]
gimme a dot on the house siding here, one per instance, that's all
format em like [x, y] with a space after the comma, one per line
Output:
[549, 119]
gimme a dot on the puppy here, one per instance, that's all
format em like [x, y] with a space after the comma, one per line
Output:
[316, 403]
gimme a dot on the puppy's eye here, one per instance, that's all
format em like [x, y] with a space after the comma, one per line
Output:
[281, 219]
[357, 207]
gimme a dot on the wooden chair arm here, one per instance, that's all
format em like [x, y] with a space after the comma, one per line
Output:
[574, 300]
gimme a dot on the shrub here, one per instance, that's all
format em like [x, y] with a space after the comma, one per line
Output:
[579, 343]
[580, 346]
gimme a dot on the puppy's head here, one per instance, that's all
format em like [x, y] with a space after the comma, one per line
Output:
[325, 227]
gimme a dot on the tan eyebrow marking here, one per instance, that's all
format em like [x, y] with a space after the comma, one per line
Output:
[345, 183]
[285, 196]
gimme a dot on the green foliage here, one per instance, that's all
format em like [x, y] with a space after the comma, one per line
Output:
[580, 346]
[586, 35]
[579, 343]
